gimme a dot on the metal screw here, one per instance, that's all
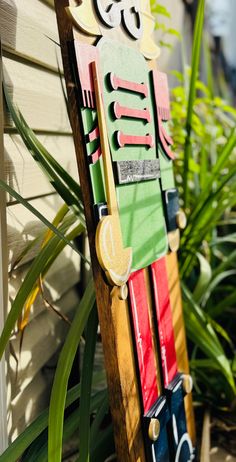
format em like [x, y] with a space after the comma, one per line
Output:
[123, 292]
[154, 429]
[187, 383]
[181, 219]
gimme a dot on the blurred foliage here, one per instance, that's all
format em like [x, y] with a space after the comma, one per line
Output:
[207, 257]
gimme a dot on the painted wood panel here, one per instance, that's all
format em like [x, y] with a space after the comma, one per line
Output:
[29, 30]
[38, 94]
[22, 172]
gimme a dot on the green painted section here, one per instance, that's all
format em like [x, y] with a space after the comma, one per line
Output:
[89, 118]
[96, 173]
[130, 65]
[140, 204]
[142, 221]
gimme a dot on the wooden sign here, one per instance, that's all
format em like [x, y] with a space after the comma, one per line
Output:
[119, 111]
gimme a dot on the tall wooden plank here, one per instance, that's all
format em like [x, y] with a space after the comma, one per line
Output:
[3, 280]
[113, 313]
[180, 336]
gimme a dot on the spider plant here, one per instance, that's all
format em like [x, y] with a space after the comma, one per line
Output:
[203, 127]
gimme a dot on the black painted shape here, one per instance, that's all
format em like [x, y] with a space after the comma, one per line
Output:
[158, 451]
[181, 449]
[100, 210]
[171, 207]
[132, 171]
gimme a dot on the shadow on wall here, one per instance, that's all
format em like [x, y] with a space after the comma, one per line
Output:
[33, 355]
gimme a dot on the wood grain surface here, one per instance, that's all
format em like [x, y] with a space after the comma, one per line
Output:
[180, 335]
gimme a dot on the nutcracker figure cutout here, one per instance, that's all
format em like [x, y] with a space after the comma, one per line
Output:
[119, 111]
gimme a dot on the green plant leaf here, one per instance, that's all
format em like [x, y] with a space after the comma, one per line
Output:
[65, 361]
[204, 336]
[41, 217]
[204, 278]
[37, 267]
[63, 183]
[159, 9]
[30, 434]
[197, 39]
[86, 383]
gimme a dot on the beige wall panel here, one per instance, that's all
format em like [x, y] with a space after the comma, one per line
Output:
[38, 94]
[63, 275]
[28, 404]
[170, 59]
[3, 279]
[23, 226]
[29, 29]
[42, 338]
[23, 174]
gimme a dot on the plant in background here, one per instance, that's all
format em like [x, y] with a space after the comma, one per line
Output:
[50, 429]
[205, 140]
[160, 11]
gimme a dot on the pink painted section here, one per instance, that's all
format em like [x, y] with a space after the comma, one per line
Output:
[94, 134]
[143, 338]
[124, 140]
[85, 56]
[164, 320]
[93, 158]
[124, 111]
[135, 87]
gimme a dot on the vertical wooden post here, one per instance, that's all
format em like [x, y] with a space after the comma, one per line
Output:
[113, 313]
[3, 280]
[180, 336]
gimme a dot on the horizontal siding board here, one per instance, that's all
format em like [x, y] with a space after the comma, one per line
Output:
[28, 404]
[41, 340]
[29, 29]
[22, 172]
[24, 227]
[39, 96]
[62, 276]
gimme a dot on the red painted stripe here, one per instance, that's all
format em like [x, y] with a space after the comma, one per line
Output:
[164, 320]
[143, 338]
